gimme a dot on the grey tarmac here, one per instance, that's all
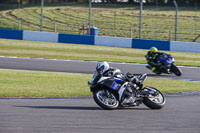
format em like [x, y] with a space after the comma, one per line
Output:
[82, 115]
[70, 66]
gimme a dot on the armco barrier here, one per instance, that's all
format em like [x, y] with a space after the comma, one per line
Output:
[77, 39]
[40, 36]
[11, 34]
[113, 41]
[100, 40]
[185, 46]
[146, 44]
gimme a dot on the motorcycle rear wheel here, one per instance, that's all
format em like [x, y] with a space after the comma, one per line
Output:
[106, 99]
[154, 101]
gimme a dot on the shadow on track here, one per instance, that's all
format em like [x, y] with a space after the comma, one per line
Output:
[77, 108]
[62, 107]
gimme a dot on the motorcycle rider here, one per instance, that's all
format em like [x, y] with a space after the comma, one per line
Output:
[151, 58]
[104, 69]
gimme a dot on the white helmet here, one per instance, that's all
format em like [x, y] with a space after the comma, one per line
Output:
[102, 67]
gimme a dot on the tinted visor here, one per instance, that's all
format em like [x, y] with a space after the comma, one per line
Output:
[100, 69]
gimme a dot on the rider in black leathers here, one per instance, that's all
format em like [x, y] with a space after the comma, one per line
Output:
[151, 58]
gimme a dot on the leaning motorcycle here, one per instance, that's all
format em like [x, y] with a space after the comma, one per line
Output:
[119, 91]
[167, 65]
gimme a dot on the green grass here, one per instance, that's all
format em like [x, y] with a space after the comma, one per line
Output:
[170, 86]
[22, 84]
[111, 20]
[86, 52]
[42, 84]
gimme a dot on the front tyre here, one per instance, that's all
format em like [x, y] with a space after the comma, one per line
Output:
[176, 70]
[154, 98]
[106, 99]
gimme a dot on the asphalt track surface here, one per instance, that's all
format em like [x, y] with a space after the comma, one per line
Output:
[181, 114]
[189, 73]
[81, 115]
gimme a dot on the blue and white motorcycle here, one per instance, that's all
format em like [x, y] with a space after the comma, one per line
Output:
[167, 65]
[111, 90]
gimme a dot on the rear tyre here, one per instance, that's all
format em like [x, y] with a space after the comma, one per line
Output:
[176, 70]
[105, 99]
[154, 101]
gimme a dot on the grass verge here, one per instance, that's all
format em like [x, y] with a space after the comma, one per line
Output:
[19, 84]
[21, 48]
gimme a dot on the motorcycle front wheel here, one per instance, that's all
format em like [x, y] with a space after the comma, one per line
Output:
[154, 99]
[176, 70]
[106, 99]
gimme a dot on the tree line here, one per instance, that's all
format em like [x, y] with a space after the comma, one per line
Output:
[181, 2]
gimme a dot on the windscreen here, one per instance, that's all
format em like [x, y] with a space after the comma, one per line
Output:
[96, 77]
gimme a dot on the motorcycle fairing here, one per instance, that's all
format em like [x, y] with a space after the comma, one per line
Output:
[112, 84]
[165, 59]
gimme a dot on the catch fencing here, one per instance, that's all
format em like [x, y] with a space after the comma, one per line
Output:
[157, 22]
